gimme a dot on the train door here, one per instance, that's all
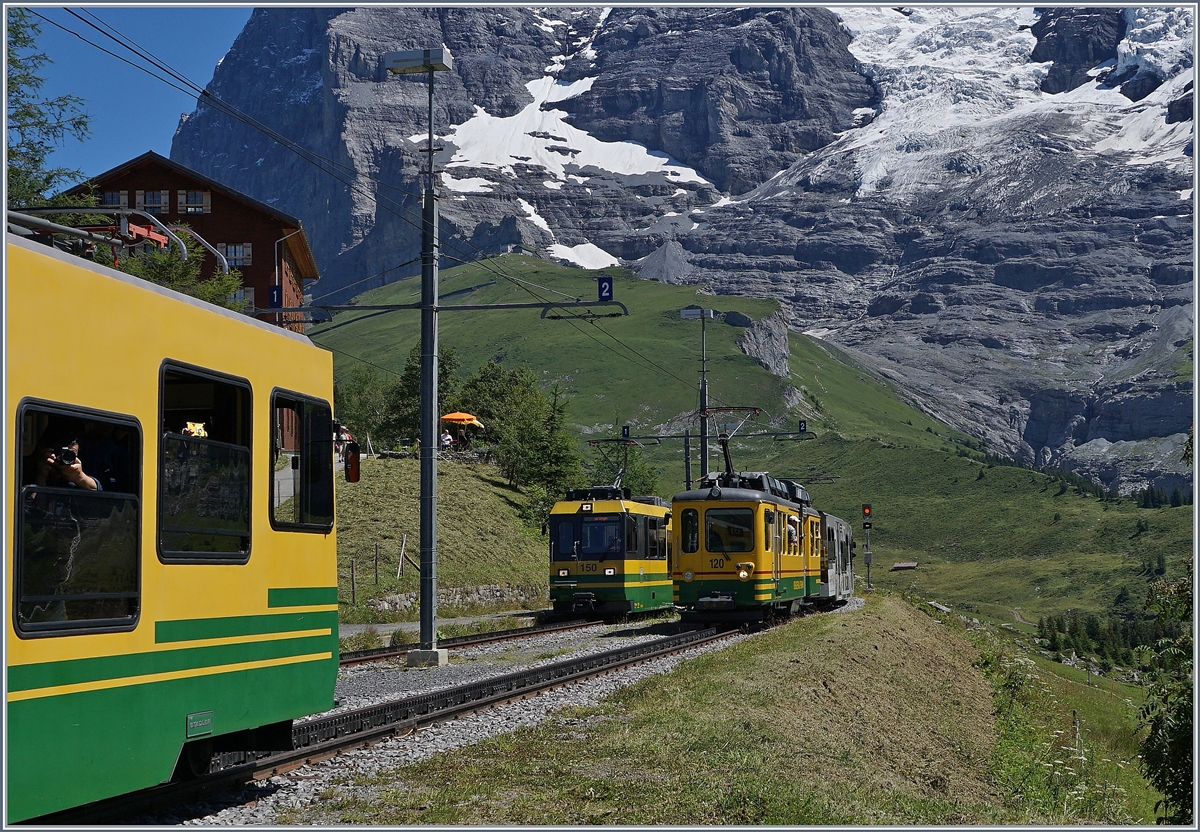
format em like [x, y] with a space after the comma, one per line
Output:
[771, 544]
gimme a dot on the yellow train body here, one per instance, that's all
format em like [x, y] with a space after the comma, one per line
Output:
[226, 629]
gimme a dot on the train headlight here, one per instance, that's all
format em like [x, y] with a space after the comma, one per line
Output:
[687, 576]
[745, 570]
[562, 573]
[610, 571]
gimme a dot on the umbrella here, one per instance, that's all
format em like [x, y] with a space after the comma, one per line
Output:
[462, 419]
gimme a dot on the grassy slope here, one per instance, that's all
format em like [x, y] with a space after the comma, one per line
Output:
[480, 540]
[992, 539]
[877, 716]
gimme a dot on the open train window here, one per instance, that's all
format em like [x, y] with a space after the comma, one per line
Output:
[301, 463]
[204, 466]
[77, 527]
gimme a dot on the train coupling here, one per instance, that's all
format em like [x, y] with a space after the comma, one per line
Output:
[583, 602]
[716, 601]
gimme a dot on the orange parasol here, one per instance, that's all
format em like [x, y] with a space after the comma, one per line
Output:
[462, 419]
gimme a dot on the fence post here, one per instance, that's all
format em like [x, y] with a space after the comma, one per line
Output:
[377, 564]
[400, 566]
[353, 591]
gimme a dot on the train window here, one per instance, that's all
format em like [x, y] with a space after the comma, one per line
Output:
[689, 530]
[631, 534]
[729, 529]
[204, 466]
[601, 536]
[302, 462]
[768, 522]
[564, 539]
[78, 510]
[654, 545]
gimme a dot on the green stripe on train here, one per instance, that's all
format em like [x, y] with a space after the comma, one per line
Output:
[101, 668]
[197, 629]
[305, 596]
[127, 738]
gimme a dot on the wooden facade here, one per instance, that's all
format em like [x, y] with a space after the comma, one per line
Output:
[267, 246]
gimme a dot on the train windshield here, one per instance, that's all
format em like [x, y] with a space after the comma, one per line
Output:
[729, 529]
[601, 536]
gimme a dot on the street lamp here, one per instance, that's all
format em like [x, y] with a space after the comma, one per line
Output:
[405, 63]
[691, 313]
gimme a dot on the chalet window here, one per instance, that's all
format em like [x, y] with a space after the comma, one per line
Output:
[152, 202]
[195, 202]
[245, 296]
[76, 553]
[115, 199]
[204, 466]
[236, 254]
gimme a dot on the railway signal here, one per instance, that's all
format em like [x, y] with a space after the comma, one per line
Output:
[866, 510]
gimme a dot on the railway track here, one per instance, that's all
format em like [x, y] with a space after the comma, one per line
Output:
[325, 737]
[457, 642]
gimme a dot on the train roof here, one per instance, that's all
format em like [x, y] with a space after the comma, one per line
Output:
[99, 269]
[748, 485]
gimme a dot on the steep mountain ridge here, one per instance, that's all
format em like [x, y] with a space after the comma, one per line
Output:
[991, 206]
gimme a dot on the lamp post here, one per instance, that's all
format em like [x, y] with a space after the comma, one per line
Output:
[405, 63]
[703, 315]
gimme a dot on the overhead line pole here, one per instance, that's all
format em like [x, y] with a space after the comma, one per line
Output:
[429, 61]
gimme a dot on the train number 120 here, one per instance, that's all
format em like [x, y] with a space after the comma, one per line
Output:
[717, 563]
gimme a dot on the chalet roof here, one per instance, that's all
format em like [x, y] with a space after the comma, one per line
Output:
[298, 244]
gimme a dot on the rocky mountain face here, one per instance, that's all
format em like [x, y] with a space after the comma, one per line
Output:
[991, 207]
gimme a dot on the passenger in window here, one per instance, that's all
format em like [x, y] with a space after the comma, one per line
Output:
[107, 450]
[56, 463]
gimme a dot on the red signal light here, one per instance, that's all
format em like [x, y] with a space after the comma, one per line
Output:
[866, 509]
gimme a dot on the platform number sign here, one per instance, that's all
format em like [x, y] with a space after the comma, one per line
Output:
[604, 287]
[803, 426]
[624, 431]
[275, 297]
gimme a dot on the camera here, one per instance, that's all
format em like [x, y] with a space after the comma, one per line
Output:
[66, 456]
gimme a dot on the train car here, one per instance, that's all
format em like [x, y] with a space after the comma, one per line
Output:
[750, 547]
[609, 553]
[837, 553]
[171, 561]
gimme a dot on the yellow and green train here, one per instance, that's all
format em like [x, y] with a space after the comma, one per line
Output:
[749, 546]
[171, 563]
[609, 553]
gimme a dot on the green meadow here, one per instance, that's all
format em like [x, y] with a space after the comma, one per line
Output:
[1004, 543]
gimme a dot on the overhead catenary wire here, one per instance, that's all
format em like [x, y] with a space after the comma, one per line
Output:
[352, 179]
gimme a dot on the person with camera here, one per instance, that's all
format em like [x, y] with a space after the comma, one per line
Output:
[56, 463]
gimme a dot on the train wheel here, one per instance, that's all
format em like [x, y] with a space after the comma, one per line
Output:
[194, 760]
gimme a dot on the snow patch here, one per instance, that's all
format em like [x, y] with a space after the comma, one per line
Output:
[540, 136]
[534, 216]
[587, 255]
[467, 185]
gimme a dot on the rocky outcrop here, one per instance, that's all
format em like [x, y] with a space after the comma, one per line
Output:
[766, 341]
[1075, 42]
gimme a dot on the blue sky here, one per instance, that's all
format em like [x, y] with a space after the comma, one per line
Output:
[131, 111]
